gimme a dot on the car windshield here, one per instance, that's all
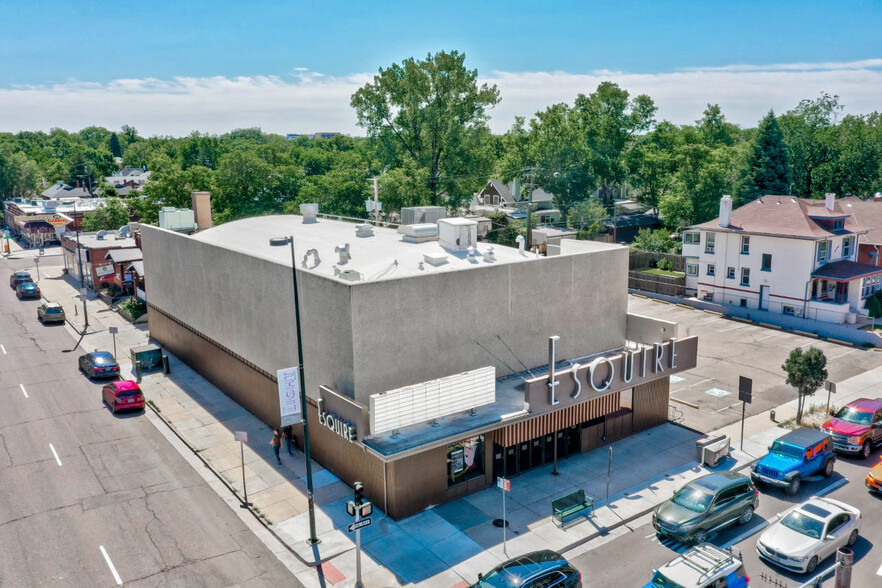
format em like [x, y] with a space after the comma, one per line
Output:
[659, 580]
[803, 524]
[693, 499]
[103, 359]
[857, 417]
[786, 450]
[53, 310]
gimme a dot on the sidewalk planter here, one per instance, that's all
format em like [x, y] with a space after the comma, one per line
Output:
[128, 316]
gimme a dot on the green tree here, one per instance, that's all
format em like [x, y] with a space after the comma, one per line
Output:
[609, 120]
[403, 186]
[808, 133]
[676, 210]
[652, 163]
[806, 371]
[19, 174]
[768, 169]
[435, 112]
[587, 217]
[115, 147]
[505, 231]
[109, 217]
[714, 129]
[658, 241]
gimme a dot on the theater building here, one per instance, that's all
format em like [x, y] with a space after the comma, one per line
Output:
[433, 363]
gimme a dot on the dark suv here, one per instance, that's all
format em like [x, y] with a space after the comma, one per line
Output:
[19, 277]
[706, 504]
[539, 569]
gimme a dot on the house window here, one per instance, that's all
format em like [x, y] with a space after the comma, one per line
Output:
[709, 242]
[823, 251]
[767, 262]
[745, 276]
[846, 247]
[838, 225]
[745, 245]
[744, 302]
[711, 269]
[691, 269]
[730, 273]
[789, 310]
[871, 285]
[691, 238]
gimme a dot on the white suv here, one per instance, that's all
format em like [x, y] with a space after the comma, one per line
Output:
[703, 566]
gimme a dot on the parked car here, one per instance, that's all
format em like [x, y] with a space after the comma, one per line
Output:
[27, 290]
[545, 569]
[809, 533]
[19, 277]
[857, 427]
[794, 457]
[874, 478]
[703, 566]
[122, 395]
[50, 312]
[99, 364]
[706, 504]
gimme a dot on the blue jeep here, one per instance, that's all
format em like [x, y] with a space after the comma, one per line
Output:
[793, 457]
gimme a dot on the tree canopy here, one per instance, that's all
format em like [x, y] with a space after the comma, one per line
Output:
[806, 371]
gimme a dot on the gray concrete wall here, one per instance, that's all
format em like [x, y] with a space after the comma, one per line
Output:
[419, 328]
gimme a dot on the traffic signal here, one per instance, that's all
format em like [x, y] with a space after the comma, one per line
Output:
[359, 493]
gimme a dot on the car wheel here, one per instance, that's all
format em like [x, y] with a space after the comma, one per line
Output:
[793, 487]
[852, 539]
[867, 449]
[828, 468]
[699, 536]
[812, 565]
[746, 515]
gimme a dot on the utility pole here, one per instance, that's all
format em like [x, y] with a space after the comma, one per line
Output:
[531, 175]
[376, 200]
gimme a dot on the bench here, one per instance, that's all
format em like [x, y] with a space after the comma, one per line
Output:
[571, 504]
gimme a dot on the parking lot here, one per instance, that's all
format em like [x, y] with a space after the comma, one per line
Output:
[728, 349]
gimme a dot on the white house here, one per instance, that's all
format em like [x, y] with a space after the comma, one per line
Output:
[782, 254]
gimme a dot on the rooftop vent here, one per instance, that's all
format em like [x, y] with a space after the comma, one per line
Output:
[316, 259]
[309, 212]
[419, 233]
[348, 275]
[101, 234]
[490, 255]
[435, 259]
[364, 230]
[343, 252]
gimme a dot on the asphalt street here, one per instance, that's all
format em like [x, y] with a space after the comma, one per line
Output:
[605, 566]
[728, 349]
[92, 499]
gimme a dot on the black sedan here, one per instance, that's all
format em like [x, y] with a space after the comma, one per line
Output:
[27, 290]
[99, 364]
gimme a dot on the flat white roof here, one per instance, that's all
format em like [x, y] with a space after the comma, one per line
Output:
[384, 255]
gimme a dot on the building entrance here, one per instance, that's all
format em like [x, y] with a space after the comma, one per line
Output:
[523, 457]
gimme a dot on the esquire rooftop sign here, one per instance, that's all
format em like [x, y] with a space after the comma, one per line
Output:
[608, 373]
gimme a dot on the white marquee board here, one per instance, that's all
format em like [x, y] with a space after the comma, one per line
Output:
[433, 399]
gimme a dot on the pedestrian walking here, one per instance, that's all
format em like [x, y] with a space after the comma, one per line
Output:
[276, 443]
[288, 434]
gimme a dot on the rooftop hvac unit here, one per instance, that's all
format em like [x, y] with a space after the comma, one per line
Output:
[419, 233]
[181, 220]
[414, 215]
[457, 234]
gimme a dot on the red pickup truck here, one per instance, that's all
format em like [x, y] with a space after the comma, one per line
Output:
[857, 427]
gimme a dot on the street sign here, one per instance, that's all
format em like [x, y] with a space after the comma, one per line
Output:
[745, 389]
[353, 527]
[830, 386]
[113, 330]
[239, 435]
[503, 483]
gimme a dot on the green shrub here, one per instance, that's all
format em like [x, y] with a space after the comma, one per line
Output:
[665, 264]
[134, 306]
[874, 307]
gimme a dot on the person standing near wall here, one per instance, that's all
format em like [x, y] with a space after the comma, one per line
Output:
[288, 435]
[276, 443]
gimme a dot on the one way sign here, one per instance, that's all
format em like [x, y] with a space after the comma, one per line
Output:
[362, 523]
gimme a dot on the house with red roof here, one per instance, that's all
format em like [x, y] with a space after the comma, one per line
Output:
[795, 256]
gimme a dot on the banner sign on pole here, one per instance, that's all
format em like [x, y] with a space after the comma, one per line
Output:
[503, 483]
[289, 395]
[241, 436]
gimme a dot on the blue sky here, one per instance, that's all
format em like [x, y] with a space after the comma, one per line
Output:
[233, 58]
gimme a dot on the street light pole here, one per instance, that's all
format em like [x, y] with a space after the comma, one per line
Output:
[313, 539]
[80, 264]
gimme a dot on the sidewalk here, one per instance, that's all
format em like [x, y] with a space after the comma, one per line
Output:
[444, 546]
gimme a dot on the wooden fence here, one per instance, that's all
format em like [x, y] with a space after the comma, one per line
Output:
[638, 280]
[646, 259]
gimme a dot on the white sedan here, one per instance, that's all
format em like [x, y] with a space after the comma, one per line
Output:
[809, 533]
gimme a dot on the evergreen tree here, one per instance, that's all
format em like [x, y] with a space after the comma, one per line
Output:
[115, 147]
[768, 167]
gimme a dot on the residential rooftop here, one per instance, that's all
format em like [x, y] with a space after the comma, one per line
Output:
[381, 256]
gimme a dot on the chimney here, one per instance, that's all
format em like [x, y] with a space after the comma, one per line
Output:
[201, 202]
[829, 199]
[725, 210]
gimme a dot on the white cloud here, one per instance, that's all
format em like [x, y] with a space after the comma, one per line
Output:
[304, 101]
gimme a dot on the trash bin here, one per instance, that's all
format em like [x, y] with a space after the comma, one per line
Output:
[715, 452]
[704, 442]
[165, 368]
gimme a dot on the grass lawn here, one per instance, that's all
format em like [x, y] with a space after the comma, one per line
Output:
[658, 272]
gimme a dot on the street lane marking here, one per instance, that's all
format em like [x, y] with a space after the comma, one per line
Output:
[55, 454]
[4, 349]
[733, 328]
[23, 391]
[110, 565]
[879, 571]
[832, 487]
